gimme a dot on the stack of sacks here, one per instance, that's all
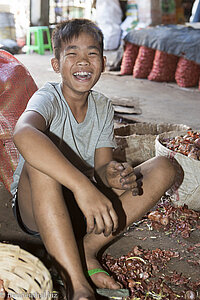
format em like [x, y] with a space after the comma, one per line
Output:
[143, 62]
[156, 65]
[187, 73]
[128, 59]
[164, 67]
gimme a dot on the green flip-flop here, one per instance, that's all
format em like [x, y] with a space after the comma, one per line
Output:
[95, 271]
[114, 294]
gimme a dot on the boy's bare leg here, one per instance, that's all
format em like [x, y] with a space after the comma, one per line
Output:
[41, 202]
[158, 175]
[39, 193]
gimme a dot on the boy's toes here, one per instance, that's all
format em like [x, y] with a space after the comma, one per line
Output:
[112, 284]
[102, 280]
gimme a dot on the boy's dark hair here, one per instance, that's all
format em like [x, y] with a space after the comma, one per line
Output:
[67, 30]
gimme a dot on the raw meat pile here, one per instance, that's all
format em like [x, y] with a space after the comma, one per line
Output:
[188, 144]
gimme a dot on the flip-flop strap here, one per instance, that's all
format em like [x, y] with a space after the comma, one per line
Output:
[95, 271]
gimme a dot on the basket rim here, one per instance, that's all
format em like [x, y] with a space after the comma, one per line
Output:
[23, 273]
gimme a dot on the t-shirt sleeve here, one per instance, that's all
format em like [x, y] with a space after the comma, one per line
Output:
[41, 102]
[106, 138]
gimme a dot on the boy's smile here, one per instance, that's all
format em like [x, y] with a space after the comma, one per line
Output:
[83, 75]
[81, 63]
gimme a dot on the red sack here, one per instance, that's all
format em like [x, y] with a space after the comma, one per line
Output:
[128, 59]
[164, 67]
[16, 88]
[187, 73]
[144, 62]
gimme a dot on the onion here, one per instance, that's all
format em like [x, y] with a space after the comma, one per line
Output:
[190, 295]
[197, 142]
[164, 221]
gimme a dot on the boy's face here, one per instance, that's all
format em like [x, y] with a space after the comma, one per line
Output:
[80, 64]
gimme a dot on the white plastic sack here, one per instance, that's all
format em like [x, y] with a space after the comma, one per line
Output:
[109, 18]
[108, 11]
[112, 36]
[188, 192]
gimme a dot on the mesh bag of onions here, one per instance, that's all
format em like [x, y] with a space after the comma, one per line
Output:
[128, 59]
[187, 73]
[164, 67]
[144, 62]
[16, 88]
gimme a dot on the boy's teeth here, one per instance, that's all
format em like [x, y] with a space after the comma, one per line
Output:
[82, 74]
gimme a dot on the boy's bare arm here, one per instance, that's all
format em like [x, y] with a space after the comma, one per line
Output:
[41, 153]
[103, 156]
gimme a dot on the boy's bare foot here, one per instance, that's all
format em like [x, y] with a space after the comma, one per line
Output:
[78, 289]
[81, 294]
[101, 279]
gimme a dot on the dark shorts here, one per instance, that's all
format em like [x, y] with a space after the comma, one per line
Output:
[17, 215]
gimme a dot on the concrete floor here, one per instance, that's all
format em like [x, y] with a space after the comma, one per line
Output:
[159, 102]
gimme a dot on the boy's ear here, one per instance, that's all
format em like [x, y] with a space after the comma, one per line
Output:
[104, 64]
[55, 65]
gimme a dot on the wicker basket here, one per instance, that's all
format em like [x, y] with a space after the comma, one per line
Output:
[23, 274]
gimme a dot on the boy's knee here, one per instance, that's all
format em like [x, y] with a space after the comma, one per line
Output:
[164, 161]
[166, 168]
[37, 177]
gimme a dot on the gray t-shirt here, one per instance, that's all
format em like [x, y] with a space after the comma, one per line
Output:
[77, 141]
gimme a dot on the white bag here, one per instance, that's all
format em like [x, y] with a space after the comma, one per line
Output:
[109, 18]
[188, 192]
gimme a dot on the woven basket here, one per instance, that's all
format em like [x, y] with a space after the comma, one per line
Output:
[136, 142]
[24, 274]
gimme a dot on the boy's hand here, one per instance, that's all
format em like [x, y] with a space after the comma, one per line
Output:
[121, 176]
[97, 209]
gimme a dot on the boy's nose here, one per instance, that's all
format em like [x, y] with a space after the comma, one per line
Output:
[83, 61]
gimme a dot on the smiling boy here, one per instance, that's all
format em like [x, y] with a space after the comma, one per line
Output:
[67, 174]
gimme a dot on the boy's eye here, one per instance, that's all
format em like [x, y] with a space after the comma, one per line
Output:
[93, 53]
[71, 53]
